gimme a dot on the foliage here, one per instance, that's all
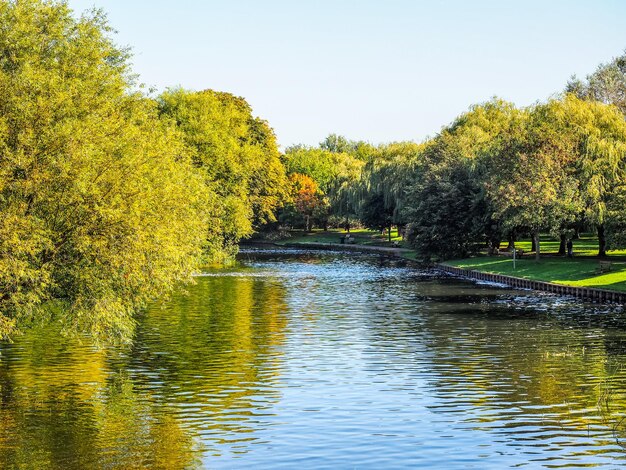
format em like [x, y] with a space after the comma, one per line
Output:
[374, 214]
[100, 208]
[352, 174]
[239, 158]
[561, 167]
[499, 170]
[445, 222]
[607, 84]
[334, 173]
[387, 173]
[307, 202]
[448, 210]
[527, 181]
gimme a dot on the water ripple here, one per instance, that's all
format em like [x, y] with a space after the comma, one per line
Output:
[327, 360]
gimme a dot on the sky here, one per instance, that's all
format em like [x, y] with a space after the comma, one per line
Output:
[379, 71]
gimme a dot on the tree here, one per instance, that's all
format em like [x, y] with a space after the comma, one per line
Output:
[319, 164]
[607, 84]
[446, 222]
[375, 214]
[599, 134]
[447, 206]
[100, 207]
[388, 173]
[238, 156]
[337, 144]
[335, 174]
[529, 181]
[308, 201]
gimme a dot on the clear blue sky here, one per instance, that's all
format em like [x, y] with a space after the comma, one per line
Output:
[379, 71]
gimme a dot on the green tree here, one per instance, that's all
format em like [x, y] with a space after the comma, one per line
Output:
[375, 214]
[607, 84]
[388, 173]
[560, 165]
[335, 174]
[529, 180]
[100, 208]
[238, 156]
[448, 209]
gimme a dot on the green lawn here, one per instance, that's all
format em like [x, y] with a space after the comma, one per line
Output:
[578, 271]
[571, 272]
[361, 236]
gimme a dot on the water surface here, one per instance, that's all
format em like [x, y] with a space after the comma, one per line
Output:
[326, 360]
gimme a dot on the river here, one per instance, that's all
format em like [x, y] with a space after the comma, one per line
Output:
[326, 360]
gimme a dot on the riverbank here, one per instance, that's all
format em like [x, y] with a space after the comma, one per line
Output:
[527, 277]
[392, 251]
[581, 275]
[573, 272]
[585, 293]
[334, 236]
[361, 240]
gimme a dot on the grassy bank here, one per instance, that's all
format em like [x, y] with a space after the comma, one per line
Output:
[361, 237]
[580, 272]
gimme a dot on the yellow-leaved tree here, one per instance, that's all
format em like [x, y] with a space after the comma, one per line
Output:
[101, 208]
[238, 157]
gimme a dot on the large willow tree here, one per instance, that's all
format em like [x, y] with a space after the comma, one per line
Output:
[565, 165]
[238, 157]
[100, 208]
[334, 171]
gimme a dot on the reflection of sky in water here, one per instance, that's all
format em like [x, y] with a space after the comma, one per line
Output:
[326, 360]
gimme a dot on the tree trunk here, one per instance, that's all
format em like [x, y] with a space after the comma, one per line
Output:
[389, 233]
[601, 241]
[347, 224]
[576, 233]
[493, 245]
[534, 244]
[511, 245]
[307, 223]
[537, 246]
[562, 245]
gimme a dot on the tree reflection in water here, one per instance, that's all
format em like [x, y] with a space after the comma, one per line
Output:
[326, 359]
[196, 358]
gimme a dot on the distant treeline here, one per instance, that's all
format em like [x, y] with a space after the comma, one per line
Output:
[110, 196]
[494, 174]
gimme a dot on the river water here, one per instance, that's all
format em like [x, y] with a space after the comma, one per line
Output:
[326, 360]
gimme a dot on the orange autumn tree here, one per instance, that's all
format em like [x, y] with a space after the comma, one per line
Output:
[307, 198]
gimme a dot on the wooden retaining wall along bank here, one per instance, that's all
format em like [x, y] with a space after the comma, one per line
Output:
[585, 293]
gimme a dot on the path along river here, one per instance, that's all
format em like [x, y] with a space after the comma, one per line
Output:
[302, 359]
